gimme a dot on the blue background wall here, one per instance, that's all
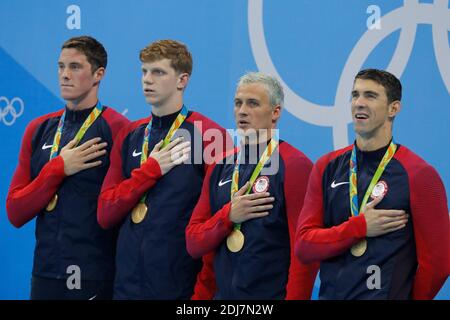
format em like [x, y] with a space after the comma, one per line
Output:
[315, 47]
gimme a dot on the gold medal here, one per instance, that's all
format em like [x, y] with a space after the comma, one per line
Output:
[360, 248]
[235, 241]
[52, 204]
[139, 212]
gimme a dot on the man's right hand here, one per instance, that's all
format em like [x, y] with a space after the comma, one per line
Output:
[175, 153]
[249, 206]
[76, 158]
[380, 221]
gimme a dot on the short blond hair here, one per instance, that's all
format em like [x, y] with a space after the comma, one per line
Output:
[177, 52]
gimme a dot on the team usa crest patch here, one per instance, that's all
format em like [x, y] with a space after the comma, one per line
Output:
[261, 184]
[380, 189]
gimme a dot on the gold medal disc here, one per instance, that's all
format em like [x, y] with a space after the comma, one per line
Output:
[235, 241]
[139, 212]
[360, 248]
[52, 204]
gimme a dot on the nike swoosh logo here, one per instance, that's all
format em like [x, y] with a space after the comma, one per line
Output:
[221, 183]
[92, 298]
[136, 154]
[334, 184]
[45, 146]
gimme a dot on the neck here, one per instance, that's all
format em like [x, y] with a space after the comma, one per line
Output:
[82, 103]
[169, 107]
[373, 143]
[261, 136]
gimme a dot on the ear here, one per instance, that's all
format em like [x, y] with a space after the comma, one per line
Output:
[183, 80]
[276, 113]
[99, 74]
[394, 108]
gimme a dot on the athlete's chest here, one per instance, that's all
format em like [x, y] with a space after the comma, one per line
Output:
[392, 185]
[132, 147]
[85, 182]
[43, 141]
[221, 181]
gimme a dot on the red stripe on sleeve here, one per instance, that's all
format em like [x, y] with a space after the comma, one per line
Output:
[115, 120]
[116, 198]
[297, 170]
[26, 197]
[314, 242]
[429, 210]
[205, 232]
[205, 287]
[216, 140]
[203, 235]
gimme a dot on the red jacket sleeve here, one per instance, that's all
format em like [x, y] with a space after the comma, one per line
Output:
[204, 232]
[216, 140]
[26, 197]
[301, 276]
[217, 143]
[430, 216]
[116, 200]
[314, 242]
[203, 235]
[205, 287]
[116, 121]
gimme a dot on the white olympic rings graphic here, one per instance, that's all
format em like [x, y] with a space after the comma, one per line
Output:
[10, 110]
[405, 18]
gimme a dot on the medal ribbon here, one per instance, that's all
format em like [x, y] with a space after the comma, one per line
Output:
[80, 134]
[175, 125]
[262, 161]
[353, 178]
